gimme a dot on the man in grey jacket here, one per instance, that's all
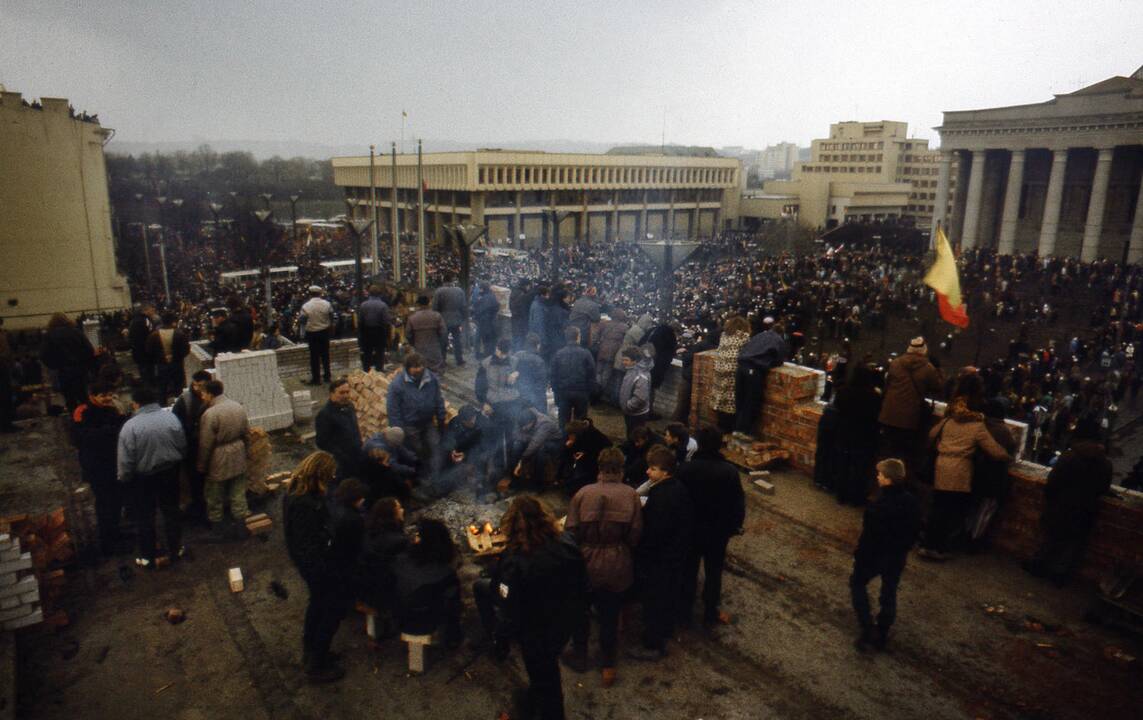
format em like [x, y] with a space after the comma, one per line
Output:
[635, 395]
[450, 302]
[151, 446]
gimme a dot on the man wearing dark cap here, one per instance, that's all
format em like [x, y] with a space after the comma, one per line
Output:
[905, 412]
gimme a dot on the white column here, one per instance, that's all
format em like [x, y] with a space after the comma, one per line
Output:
[972, 201]
[1011, 216]
[1094, 227]
[1050, 226]
[1135, 244]
[940, 207]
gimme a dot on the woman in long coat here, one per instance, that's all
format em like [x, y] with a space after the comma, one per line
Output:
[958, 437]
[735, 333]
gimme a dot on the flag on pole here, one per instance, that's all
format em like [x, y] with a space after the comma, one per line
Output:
[943, 278]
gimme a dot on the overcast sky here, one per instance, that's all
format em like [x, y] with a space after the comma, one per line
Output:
[722, 73]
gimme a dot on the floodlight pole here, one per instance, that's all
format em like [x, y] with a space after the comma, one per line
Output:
[557, 218]
[393, 225]
[373, 209]
[422, 280]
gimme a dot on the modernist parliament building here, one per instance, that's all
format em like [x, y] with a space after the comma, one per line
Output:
[1061, 177]
[599, 198]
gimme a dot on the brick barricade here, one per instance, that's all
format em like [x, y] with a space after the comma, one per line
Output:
[790, 416]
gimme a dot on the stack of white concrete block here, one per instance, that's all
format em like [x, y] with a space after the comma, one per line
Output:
[251, 378]
[19, 591]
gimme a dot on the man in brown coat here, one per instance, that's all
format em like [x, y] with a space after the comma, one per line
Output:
[607, 520]
[911, 379]
[222, 453]
[425, 330]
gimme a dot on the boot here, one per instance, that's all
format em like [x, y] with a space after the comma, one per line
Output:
[867, 641]
[575, 658]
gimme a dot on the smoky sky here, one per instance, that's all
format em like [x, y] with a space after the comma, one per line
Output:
[711, 73]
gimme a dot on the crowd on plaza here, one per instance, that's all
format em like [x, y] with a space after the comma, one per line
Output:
[644, 514]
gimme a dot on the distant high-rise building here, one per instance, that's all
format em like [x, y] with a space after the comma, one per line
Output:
[777, 161]
[55, 228]
[863, 171]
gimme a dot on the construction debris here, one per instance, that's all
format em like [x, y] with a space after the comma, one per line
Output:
[235, 577]
[174, 616]
[258, 524]
[34, 550]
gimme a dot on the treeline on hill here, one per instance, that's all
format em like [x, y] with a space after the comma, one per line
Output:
[203, 176]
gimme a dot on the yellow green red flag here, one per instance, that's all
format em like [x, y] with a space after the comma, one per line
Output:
[943, 278]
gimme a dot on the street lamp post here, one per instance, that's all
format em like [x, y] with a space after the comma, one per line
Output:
[162, 200]
[146, 250]
[394, 226]
[266, 198]
[422, 280]
[373, 210]
[177, 203]
[294, 218]
[264, 217]
[557, 218]
[356, 228]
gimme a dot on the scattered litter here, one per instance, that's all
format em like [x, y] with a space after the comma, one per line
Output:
[1044, 645]
[163, 688]
[235, 576]
[759, 473]
[1113, 653]
[766, 487]
[174, 615]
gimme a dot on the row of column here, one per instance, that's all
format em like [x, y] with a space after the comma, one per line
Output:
[611, 223]
[1050, 224]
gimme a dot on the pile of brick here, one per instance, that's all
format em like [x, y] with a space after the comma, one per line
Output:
[755, 455]
[34, 550]
[251, 378]
[790, 412]
[367, 391]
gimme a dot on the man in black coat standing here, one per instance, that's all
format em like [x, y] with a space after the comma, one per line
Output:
[374, 318]
[662, 553]
[95, 431]
[888, 531]
[573, 375]
[519, 303]
[719, 508]
[337, 432]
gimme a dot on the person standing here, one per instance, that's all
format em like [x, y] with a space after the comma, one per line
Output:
[496, 391]
[609, 340]
[532, 382]
[635, 394]
[373, 322]
[573, 375]
[150, 447]
[718, 511]
[905, 410]
[519, 303]
[7, 399]
[415, 404]
[337, 432]
[318, 316]
[167, 348]
[536, 596]
[584, 314]
[138, 330]
[449, 301]
[68, 353]
[95, 430]
[556, 313]
[606, 519]
[222, 453]
[889, 529]
[188, 408]
[426, 331]
[957, 439]
[1071, 503]
[735, 334]
[484, 311]
[661, 555]
[309, 539]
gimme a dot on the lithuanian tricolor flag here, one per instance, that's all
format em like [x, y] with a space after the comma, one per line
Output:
[942, 277]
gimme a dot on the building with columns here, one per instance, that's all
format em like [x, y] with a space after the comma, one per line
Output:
[863, 171]
[1062, 177]
[55, 217]
[607, 197]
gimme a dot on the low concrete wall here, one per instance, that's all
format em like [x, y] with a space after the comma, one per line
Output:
[790, 416]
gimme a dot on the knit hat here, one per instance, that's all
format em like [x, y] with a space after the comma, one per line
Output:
[394, 436]
[917, 346]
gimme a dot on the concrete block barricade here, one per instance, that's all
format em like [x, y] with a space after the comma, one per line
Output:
[790, 416]
[251, 379]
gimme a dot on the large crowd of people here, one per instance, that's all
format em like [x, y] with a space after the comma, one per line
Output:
[644, 512]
